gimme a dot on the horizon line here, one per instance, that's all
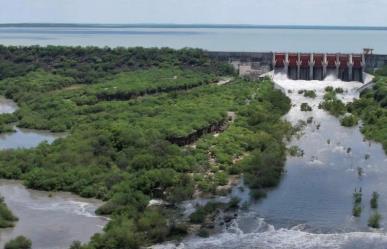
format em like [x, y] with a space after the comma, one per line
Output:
[192, 25]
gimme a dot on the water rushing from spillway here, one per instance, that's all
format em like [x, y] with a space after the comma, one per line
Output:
[312, 206]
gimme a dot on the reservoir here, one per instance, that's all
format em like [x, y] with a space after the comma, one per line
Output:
[253, 39]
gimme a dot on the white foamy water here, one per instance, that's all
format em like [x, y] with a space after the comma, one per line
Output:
[285, 239]
[265, 236]
[311, 208]
[66, 206]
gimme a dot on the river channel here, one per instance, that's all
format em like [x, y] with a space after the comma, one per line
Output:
[312, 206]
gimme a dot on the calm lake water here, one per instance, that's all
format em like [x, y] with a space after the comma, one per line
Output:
[219, 39]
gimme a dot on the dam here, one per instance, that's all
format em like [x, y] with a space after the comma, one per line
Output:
[304, 66]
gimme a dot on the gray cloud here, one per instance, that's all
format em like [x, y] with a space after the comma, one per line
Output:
[303, 12]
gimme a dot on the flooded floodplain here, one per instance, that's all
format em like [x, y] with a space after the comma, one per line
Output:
[312, 206]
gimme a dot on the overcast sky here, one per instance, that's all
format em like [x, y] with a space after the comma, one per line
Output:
[298, 12]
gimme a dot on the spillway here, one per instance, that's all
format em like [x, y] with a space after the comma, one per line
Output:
[304, 66]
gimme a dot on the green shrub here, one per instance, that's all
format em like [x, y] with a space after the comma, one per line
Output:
[374, 220]
[295, 151]
[374, 200]
[120, 233]
[203, 212]
[333, 105]
[349, 120]
[310, 94]
[19, 242]
[339, 90]
[154, 224]
[221, 178]
[357, 197]
[305, 107]
[356, 211]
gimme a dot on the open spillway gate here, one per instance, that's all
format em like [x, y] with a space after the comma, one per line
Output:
[306, 66]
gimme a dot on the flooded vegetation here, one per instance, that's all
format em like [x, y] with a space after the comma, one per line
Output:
[327, 195]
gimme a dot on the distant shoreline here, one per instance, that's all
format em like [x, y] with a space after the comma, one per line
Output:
[204, 26]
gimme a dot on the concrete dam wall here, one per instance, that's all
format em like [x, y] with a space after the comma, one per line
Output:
[297, 66]
[304, 66]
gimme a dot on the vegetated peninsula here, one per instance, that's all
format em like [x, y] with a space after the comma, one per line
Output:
[7, 218]
[142, 124]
